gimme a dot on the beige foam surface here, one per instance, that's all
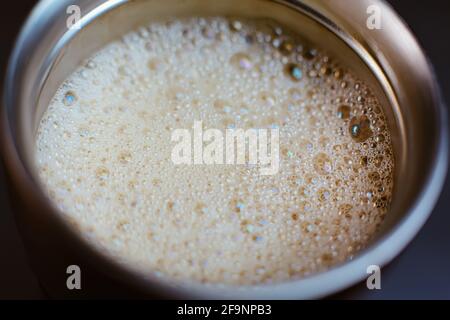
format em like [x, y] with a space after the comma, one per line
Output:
[104, 153]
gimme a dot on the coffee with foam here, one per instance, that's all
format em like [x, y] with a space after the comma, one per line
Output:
[103, 150]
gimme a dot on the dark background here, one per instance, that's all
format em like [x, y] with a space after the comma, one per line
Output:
[422, 271]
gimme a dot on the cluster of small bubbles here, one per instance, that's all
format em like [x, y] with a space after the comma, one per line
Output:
[106, 160]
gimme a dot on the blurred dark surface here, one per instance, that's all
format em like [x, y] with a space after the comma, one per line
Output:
[422, 271]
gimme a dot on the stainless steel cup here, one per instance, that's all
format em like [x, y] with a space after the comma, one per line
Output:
[389, 59]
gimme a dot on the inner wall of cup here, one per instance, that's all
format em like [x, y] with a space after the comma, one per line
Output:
[129, 16]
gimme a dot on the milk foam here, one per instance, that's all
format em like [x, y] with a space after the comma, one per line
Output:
[103, 151]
